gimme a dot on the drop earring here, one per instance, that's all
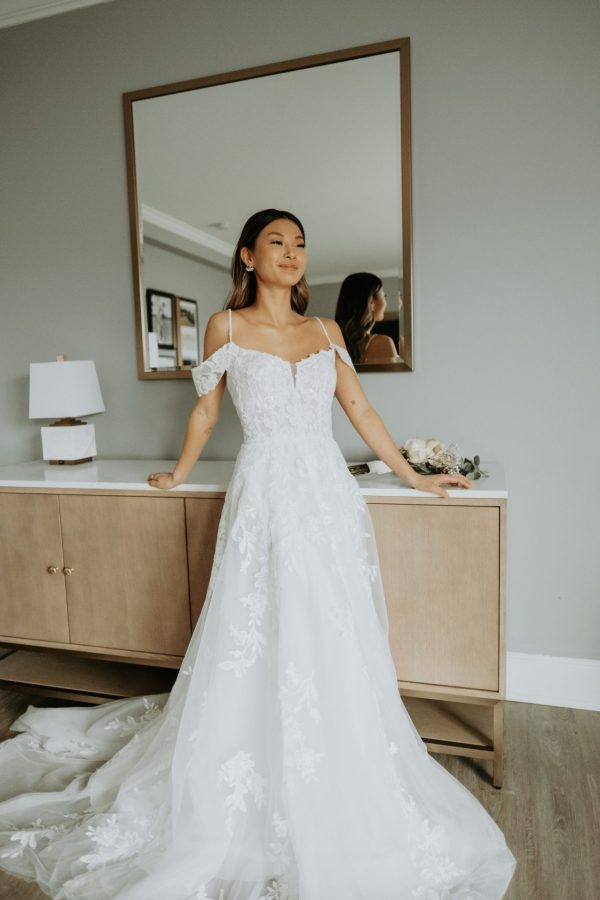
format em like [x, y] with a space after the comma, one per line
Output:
[249, 268]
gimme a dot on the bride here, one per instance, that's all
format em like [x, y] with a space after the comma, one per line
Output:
[283, 764]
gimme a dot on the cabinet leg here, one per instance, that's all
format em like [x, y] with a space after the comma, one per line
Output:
[498, 730]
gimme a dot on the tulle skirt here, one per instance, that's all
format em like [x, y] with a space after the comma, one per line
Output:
[283, 764]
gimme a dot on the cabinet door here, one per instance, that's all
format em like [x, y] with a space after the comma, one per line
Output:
[32, 600]
[441, 576]
[128, 589]
[202, 516]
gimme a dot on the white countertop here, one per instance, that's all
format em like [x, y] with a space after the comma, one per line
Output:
[208, 475]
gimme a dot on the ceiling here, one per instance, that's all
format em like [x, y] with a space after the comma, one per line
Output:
[15, 12]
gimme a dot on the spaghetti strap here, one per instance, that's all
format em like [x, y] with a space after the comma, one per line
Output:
[324, 329]
[229, 311]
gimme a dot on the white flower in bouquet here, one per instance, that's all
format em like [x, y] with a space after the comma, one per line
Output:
[436, 447]
[420, 450]
[417, 450]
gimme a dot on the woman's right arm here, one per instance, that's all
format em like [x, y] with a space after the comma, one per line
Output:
[204, 415]
[201, 424]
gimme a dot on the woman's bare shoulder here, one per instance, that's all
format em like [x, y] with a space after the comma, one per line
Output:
[218, 319]
[380, 347]
[382, 341]
[217, 331]
[333, 330]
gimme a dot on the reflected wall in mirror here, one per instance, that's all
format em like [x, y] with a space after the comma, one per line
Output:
[326, 137]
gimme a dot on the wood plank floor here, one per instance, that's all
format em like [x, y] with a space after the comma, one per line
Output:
[549, 807]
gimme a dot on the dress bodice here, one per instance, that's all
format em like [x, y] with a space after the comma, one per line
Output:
[274, 396]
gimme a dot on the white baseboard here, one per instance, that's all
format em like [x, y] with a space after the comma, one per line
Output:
[553, 680]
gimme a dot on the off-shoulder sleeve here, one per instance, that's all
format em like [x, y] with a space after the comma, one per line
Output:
[208, 373]
[345, 356]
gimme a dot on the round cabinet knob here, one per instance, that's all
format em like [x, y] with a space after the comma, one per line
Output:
[68, 570]
[53, 570]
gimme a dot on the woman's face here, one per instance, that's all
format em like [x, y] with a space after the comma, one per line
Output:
[279, 255]
[377, 304]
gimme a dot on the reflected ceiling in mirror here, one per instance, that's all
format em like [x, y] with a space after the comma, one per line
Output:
[326, 138]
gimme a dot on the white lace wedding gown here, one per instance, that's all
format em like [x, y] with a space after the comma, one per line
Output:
[283, 764]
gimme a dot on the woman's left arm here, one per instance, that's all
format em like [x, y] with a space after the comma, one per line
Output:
[371, 427]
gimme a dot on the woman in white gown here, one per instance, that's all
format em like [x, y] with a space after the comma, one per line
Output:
[283, 764]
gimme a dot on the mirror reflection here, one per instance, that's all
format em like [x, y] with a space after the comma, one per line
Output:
[323, 141]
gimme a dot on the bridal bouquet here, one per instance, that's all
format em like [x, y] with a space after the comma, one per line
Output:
[431, 457]
[427, 457]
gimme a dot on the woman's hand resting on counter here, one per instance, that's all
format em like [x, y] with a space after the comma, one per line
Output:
[434, 483]
[164, 481]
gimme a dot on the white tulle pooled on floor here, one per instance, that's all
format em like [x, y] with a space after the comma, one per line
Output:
[283, 764]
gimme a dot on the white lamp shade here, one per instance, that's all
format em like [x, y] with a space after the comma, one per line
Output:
[64, 389]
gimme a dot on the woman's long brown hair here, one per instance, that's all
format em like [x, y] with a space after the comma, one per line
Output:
[243, 292]
[352, 309]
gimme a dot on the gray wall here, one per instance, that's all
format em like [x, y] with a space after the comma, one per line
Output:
[506, 235]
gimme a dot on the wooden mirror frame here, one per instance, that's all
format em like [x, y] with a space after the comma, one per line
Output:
[399, 44]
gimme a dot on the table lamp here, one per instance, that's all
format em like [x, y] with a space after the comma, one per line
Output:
[65, 390]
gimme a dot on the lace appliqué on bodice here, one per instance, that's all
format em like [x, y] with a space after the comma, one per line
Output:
[274, 396]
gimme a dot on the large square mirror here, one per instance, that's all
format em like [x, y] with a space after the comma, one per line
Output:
[326, 137]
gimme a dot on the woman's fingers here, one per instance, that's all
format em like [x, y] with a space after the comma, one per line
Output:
[457, 479]
[450, 479]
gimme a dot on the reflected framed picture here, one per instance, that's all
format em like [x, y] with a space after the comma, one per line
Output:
[187, 331]
[160, 311]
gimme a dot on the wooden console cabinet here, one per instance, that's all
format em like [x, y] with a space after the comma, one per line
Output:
[104, 579]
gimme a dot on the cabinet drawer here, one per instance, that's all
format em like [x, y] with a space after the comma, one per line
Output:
[441, 576]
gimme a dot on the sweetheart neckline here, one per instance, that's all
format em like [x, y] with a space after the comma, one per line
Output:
[209, 364]
[288, 362]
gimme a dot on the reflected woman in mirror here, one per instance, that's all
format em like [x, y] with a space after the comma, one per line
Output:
[360, 304]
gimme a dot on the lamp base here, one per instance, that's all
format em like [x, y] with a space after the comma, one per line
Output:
[68, 445]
